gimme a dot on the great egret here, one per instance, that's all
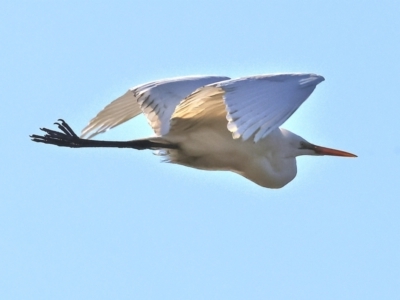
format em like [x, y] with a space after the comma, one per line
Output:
[212, 123]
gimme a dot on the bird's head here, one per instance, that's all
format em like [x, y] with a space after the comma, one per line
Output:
[301, 147]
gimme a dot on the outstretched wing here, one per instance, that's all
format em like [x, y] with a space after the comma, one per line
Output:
[157, 100]
[253, 105]
[117, 112]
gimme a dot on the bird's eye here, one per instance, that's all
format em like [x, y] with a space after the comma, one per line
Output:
[305, 145]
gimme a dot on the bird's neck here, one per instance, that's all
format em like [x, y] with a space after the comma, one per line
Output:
[269, 173]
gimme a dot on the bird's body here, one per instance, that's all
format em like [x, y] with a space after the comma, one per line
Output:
[213, 148]
[215, 123]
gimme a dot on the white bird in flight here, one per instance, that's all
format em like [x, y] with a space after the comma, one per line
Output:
[212, 123]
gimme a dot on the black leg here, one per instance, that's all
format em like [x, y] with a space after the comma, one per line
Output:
[68, 138]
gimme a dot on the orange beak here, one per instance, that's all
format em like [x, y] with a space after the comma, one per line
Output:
[333, 152]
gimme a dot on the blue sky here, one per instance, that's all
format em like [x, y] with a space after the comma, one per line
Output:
[119, 224]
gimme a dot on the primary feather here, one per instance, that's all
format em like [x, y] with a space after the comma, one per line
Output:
[157, 100]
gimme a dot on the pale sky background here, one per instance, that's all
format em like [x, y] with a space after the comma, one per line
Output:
[119, 224]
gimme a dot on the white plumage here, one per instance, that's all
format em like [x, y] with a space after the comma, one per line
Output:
[157, 100]
[217, 123]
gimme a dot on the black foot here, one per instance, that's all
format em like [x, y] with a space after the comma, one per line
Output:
[65, 138]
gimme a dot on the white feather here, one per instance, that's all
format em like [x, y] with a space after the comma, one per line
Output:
[258, 105]
[157, 100]
[254, 106]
